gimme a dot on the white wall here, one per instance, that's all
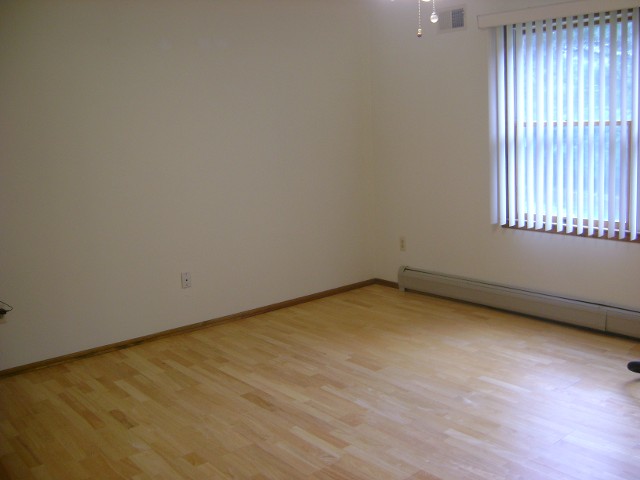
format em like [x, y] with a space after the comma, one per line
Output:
[435, 177]
[273, 148]
[142, 139]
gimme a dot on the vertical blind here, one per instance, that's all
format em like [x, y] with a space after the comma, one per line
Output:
[568, 124]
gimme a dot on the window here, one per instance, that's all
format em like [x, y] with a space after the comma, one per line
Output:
[568, 100]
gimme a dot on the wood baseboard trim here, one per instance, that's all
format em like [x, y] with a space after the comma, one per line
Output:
[385, 283]
[190, 328]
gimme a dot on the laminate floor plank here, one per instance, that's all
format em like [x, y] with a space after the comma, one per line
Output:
[368, 384]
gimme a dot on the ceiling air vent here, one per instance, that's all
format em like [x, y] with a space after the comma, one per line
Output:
[452, 19]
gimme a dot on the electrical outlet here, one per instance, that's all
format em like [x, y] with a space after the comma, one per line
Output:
[186, 280]
[403, 244]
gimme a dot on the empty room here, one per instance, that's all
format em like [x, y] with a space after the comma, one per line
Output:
[319, 239]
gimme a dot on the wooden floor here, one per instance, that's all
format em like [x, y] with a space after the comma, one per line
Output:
[369, 384]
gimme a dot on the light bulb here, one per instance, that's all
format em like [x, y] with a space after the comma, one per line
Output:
[434, 17]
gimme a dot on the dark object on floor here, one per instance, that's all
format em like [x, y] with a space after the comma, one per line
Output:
[634, 366]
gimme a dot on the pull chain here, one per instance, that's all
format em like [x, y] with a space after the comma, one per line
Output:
[419, 18]
[434, 15]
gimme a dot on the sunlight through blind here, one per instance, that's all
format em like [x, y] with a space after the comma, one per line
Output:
[568, 124]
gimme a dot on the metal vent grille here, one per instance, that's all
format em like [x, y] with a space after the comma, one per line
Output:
[457, 18]
[452, 19]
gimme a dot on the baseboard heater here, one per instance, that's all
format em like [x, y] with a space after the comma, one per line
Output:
[607, 318]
